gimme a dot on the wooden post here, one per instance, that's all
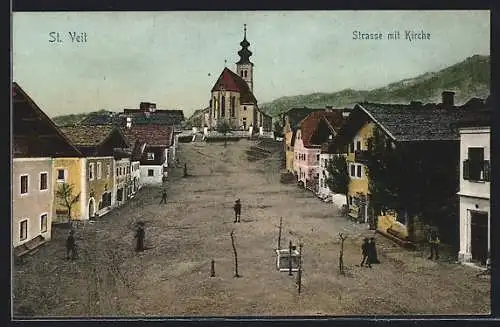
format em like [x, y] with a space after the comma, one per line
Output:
[235, 256]
[341, 256]
[279, 233]
[212, 268]
[290, 259]
[300, 267]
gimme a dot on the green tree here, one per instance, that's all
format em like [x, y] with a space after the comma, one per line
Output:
[338, 177]
[64, 194]
[278, 128]
[224, 127]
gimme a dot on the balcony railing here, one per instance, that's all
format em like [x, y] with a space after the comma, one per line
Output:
[361, 156]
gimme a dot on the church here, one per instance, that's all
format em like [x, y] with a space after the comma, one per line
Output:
[232, 97]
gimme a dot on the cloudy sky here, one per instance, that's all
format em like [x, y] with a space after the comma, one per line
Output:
[173, 58]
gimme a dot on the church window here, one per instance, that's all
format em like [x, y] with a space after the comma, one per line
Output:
[245, 108]
[245, 73]
[241, 73]
[223, 105]
[233, 100]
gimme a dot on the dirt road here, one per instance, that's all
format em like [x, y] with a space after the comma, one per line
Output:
[172, 277]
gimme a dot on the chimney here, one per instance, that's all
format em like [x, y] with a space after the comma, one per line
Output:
[448, 98]
[129, 122]
[345, 114]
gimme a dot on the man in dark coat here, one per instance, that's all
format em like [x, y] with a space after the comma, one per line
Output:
[237, 211]
[372, 251]
[71, 246]
[434, 245]
[364, 252]
[139, 235]
[164, 197]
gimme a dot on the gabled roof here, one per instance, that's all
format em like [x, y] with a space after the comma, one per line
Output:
[230, 81]
[34, 133]
[412, 123]
[151, 134]
[296, 115]
[309, 125]
[431, 123]
[86, 135]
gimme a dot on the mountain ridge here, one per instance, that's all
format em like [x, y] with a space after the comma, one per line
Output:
[468, 78]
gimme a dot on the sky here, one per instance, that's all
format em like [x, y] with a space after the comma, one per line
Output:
[174, 58]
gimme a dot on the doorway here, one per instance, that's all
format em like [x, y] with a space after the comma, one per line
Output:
[479, 236]
[91, 208]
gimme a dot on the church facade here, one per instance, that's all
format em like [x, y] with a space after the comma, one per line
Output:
[232, 97]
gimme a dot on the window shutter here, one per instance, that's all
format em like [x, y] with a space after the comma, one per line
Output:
[466, 169]
[486, 167]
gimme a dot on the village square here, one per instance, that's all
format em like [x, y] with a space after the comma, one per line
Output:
[374, 205]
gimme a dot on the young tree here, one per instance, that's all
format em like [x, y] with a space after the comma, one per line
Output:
[224, 127]
[66, 198]
[338, 177]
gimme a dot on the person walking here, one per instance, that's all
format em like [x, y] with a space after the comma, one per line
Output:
[372, 251]
[434, 245]
[237, 211]
[164, 197]
[364, 252]
[139, 235]
[71, 246]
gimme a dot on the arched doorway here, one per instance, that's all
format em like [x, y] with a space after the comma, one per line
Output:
[91, 208]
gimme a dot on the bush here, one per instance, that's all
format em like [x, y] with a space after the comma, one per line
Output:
[221, 139]
[185, 139]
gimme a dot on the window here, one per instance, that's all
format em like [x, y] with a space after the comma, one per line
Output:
[151, 156]
[151, 172]
[358, 172]
[351, 147]
[24, 184]
[233, 103]
[317, 157]
[358, 145]
[353, 170]
[475, 168]
[245, 73]
[350, 200]
[91, 171]
[23, 230]
[99, 170]
[223, 104]
[244, 108]
[241, 73]
[117, 171]
[43, 181]
[108, 170]
[121, 171]
[61, 176]
[43, 223]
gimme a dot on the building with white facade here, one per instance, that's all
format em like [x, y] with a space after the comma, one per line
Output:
[474, 195]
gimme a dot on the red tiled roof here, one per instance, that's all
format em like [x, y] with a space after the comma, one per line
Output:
[335, 119]
[309, 124]
[230, 81]
[151, 134]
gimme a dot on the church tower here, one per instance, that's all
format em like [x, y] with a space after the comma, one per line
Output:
[244, 67]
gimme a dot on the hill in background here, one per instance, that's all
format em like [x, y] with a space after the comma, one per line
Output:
[469, 78]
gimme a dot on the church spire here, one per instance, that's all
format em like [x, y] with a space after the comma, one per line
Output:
[244, 53]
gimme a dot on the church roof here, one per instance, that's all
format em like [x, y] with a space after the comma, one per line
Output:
[230, 81]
